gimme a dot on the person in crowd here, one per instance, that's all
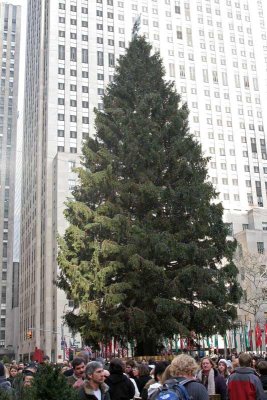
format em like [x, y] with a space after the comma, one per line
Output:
[94, 387]
[156, 382]
[211, 379]
[5, 385]
[13, 372]
[262, 368]
[141, 376]
[130, 364]
[184, 367]
[28, 379]
[120, 386]
[243, 383]
[78, 372]
[222, 368]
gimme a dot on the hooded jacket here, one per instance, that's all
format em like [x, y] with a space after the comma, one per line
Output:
[120, 387]
[244, 384]
[5, 385]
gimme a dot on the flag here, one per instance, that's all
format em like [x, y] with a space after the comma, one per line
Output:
[250, 339]
[235, 339]
[265, 333]
[246, 336]
[258, 336]
[216, 342]
[225, 341]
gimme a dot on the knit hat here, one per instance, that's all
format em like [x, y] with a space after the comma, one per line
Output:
[2, 370]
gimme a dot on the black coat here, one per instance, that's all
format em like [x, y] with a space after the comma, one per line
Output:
[263, 379]
[141, 382]
[120, 387]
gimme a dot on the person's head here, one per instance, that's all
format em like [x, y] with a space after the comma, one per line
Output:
[28, 379]
[94, 372]
[85, 355]
[46, 360]
[206, 364]
[183, 365]
[222, 367]
[78, 367]
[262, 367]
[143, 370]
[21, 365]
[116, 366]
[13, 371]
[159, 370]
[245, 360]
[130, 364]
[2, 370]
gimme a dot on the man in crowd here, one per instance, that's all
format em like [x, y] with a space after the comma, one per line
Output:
[94, 387]
[243, 383]
[78, 366]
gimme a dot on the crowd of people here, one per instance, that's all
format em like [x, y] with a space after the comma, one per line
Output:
[236, 378]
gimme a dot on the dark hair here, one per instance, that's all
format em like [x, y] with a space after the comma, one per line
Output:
[132, 363]
[159, 369]
[143, 370]
[116, 366]
[262, 367]
[77, 361]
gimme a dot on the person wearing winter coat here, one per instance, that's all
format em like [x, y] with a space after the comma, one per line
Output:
[5, 385]
[94, 387]
[262, 368]
[211, 379]
[120, 386]
[243, 383]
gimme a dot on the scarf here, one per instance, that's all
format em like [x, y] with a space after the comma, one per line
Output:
[211, 381]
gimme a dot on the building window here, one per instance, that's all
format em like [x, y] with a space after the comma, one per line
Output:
[100, 58]
[260, 247]
[60, 149]
[61, 52]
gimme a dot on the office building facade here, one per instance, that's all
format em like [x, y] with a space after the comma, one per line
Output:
[10, 20]
[215, 51]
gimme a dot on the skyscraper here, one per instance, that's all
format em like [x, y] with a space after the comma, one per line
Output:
[10, 55]
[215, 50]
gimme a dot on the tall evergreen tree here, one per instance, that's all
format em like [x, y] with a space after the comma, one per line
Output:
[146, 254]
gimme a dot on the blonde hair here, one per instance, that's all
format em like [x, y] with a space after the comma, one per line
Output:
[183, 365]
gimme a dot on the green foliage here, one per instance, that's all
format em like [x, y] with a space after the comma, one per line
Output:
[146, 253]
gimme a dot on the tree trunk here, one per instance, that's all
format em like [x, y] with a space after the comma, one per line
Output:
[146, 347]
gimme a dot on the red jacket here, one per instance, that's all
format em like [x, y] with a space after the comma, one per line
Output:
[244, 384]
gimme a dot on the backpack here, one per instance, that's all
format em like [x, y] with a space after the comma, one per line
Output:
[176, 391]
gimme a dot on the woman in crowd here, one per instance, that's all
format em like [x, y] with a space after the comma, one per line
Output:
[141, 376]
[223, 368]
[13, 372]
[211, 379]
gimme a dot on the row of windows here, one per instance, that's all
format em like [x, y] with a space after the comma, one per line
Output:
[73, 134]
[73, 8]
[73, 35]
[73, 103]
[72, 118]
[61, 149]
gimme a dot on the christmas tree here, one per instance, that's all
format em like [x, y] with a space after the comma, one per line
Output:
[142, 256]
